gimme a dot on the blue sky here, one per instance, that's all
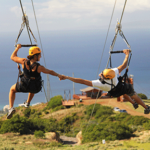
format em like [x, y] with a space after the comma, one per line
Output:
[78, 15]
[74, 14]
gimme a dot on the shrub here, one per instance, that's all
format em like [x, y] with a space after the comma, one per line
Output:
[39, 134]
[32, 111]
[80, 105]
[147, 125]
[142, 96]
[16, 124]
[113, 131]
[137, 120]
[104, 110]
[46, 112]
[64, 125]
[27, 112]
[90, 108]
[121, 116]
[46, 125]
[55, 101]
[58, 108]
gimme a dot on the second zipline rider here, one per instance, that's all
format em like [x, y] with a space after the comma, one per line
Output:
[114, 86]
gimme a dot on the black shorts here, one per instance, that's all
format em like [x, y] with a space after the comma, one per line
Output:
[121, 89]
[130, 90]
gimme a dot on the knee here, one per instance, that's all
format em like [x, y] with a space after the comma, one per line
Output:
[13, 89]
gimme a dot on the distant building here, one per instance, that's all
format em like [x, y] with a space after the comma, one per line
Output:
[88, 93]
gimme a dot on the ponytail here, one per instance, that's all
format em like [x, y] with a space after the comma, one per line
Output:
[32, 57]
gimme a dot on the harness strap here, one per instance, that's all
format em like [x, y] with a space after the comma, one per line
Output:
[104, 82]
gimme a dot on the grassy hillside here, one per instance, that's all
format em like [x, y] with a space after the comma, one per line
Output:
[120, 130]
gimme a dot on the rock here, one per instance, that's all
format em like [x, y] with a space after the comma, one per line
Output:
[52, 136]
[79, 138]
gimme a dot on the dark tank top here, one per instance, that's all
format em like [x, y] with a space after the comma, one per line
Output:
[30, 73]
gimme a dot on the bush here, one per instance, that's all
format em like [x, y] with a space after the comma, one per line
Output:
[27, 112]
[142, 96]
[113, 131]
[89, 109]
[80, 105]
[55, 101]
[104, 110]
[46, 112]
[16, 124]
[39, 134]
[32, 111]
[58, 108]
[137, 120]
[147, 125]
[46, 125]
[64, 125]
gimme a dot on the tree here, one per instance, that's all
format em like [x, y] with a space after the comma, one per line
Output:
[142, 96]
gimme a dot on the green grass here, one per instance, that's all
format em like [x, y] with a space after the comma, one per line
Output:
[27, 142]
[140, 108]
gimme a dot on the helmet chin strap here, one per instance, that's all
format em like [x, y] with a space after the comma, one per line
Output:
[37, 57]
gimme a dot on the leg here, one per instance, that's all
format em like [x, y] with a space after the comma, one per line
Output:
[27, 102]
[12, 95]
[128, 98]
[30, 97]
[135, 105]
[139, 100]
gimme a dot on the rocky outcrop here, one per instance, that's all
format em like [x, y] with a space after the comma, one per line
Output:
[79, 138]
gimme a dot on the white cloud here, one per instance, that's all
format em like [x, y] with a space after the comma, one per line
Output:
[86, 8]
[76, 13]
[15, 10]
[138, 5]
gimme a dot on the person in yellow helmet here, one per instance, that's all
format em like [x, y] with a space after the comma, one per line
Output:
[109, 82]
[31, 81]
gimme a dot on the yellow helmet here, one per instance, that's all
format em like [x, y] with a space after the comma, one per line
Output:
[109, 73]
[34, 50]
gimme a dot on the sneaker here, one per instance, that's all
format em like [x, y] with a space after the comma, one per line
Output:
[25, 104]
[135, 105]
[147, 111]
[10, 113]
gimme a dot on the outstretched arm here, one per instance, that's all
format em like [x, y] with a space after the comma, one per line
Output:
[47, 71]
[78, 80]
[125, 62]
[14, 56]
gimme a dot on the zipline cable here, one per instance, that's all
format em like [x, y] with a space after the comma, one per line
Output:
[106, 38]
[25, 21]
[100, 64]
[118, 29]
[38, 32]
[110, 54]
[29, 37]
[123, 11]
[48, 80]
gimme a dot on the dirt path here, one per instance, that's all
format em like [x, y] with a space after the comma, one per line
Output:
[68, 140]
[115, 103]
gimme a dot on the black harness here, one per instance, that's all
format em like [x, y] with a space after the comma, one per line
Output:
[28, 83]
[121, 88]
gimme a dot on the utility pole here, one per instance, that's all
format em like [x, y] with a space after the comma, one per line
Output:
[73, 84]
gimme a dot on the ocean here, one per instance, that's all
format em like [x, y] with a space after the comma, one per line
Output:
[78, 52]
